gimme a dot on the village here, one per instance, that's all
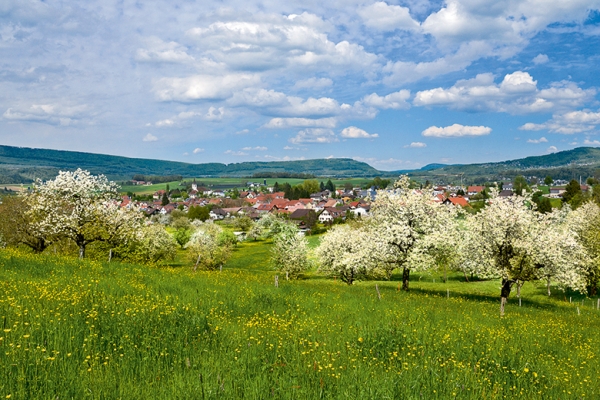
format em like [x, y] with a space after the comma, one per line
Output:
[326, 207]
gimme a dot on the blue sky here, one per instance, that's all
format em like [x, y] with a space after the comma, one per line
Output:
[397, 84]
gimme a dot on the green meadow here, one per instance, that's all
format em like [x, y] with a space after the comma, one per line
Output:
[230, 183]
[91, 329]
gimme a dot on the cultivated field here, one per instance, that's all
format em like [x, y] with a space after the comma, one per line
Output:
[87, 329]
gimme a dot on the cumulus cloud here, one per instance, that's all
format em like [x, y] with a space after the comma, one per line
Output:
[257, 148]
[235, 153]
[456, 130]
[415, 145]
[536, 141]
[588, 142]
[182, 119]
[516, 94]
[540, 59]
[281, 123]
[198, 150]
[314, 135]
[385, 17]
[567, 123]
[552, 149]
[157, 50]
[203, 87]
[396, 100]
[50, 113]
[265, 42]
[353, 132]
[150, 138]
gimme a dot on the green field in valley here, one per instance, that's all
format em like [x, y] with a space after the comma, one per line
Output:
[229, 183]
[90, 329]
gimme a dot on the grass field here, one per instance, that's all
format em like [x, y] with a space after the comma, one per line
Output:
[230, 183]
[87, 329]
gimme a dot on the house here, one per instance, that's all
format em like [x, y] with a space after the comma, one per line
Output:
[505, 193]
[231, 211]
[362, 210]
[473, 190]
[303, 217]
[158, 194]
[325, 217]
[457, 201]
[217, 214]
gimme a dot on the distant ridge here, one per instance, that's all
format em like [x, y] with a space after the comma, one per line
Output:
[568, 164]
[23, 164]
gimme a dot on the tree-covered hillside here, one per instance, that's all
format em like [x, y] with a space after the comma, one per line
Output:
[21, 165]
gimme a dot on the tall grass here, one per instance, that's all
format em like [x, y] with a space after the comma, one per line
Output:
[75, 329]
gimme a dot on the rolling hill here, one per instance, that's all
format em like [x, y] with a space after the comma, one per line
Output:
[22, 165]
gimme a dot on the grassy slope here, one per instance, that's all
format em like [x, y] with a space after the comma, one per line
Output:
[98, 330]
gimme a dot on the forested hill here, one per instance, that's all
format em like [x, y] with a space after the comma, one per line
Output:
[22, 165]
[568, 164]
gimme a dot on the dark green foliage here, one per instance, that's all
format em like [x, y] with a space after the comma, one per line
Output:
[330, 186]
[572, 190]
[543, 203]
[165, 199]
[548, 180]
[519, 184]
[198, 212]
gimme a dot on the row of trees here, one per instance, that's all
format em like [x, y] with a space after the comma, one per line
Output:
[508, 239]
[80, 209]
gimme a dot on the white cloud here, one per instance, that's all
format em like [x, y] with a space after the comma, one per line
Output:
[235, 153]
[588, 142]
[516, 94]
[159, 51]
[198, 150]
[415, 145]
[257, 148]
[150, 138]
[314, 135]
[567, 123]
[203, 87]
[401, 72]
[269, 41]
[552, 149]
[540, 59]
[313, 83]
[330, 122]
[394, 101]
[353, 132]
[384, 17]
[456, 130]
[536, 141]
[49, 113]
[242, 132]
[215, 114]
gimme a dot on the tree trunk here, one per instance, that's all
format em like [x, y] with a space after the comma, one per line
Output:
[519, 286]
[81, 251]
[405, 277]
[504, 293]
[548, 285]
[466, 277]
